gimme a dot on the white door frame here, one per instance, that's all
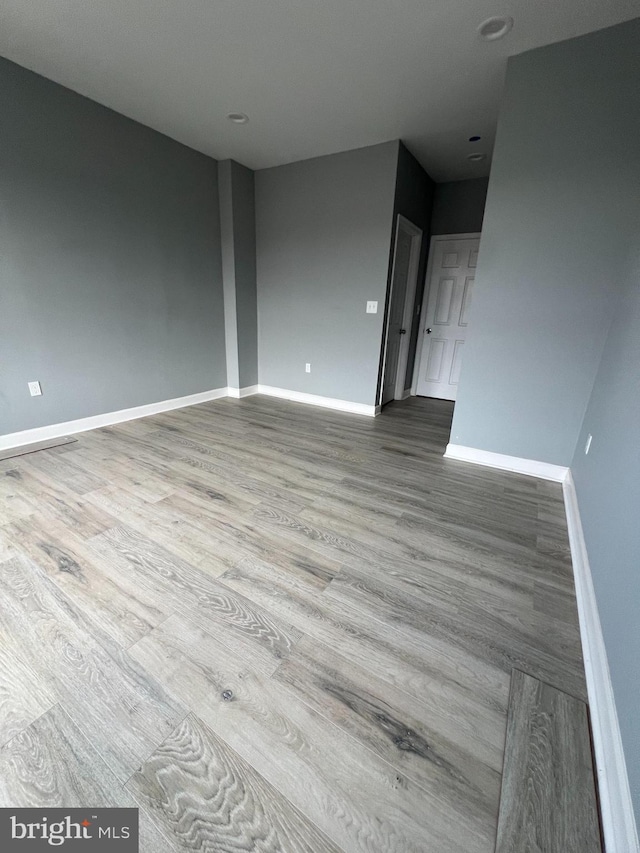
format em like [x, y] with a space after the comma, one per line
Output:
[425, 298]
[407, 314]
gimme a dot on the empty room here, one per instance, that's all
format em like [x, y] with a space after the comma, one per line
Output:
[320, 426]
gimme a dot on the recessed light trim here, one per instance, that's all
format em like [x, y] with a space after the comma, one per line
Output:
[238, 118]
[476, 157]
[495, 28]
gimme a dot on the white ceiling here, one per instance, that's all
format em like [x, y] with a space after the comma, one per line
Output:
[314, 76]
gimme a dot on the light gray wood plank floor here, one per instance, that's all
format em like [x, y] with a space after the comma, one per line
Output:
[548, 799]
[276, 627]
[34, 447]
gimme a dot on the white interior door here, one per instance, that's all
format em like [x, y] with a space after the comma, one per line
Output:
[445, 316]
[403, 290]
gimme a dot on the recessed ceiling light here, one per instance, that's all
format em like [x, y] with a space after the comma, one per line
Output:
[495, 28]
[475, 138]
[476, 157]
[238, 118]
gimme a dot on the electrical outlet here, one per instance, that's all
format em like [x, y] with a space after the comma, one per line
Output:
[34, 389]
[588, 444]
[372, 307]
[307, 368]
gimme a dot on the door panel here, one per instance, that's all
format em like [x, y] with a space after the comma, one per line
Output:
[456, 363]
[450, 291]
[435, 361]
[466, 300]
[443, 305]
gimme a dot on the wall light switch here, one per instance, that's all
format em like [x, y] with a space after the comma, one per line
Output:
[307, 368]
[34, 389]
[372, 307]
[587, 446]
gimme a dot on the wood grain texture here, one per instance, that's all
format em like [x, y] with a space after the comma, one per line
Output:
[504, 638]
[392, 724]
[359, 800]
[207, 798]
[234, 530]
[340, 605]
[554, 602]
[14, 504]
[474, 695]
[172, 530]
[34, 447]
[265, 638]
[85, 576]
[123, 710]
[64, 471]
[548, 800]
[51, 764]
[41, 492]
[23, 695]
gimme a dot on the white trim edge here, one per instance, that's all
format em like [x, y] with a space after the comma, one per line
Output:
[315, 400]
[44, 433]
[530, 467]
[239, 393]
[616, 806]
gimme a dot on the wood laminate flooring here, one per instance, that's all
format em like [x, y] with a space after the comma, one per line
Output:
[34, 447]
[548, 800]
[276, 628]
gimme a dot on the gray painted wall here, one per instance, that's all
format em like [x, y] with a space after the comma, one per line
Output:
[554, 349]
[111, 289]
[458, 206]
[228, 254]
[557, 225]
[323, 232]
[608, 487]
[244, 225]
[237, 228]
[413, 200]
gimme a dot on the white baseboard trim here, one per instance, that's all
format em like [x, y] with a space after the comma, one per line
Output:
[530, 467]
[325, 402]
[239, 393]
[618, 822]
[45, 433]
